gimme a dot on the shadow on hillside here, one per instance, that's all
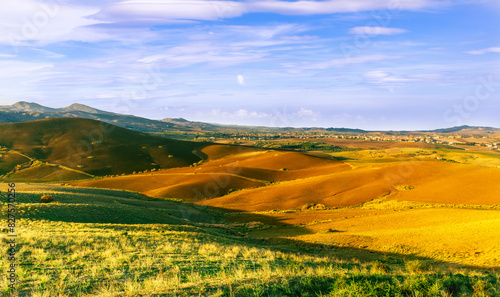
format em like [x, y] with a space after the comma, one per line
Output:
[339, 158]
[125, 208]
[348, 256]
[103, 206]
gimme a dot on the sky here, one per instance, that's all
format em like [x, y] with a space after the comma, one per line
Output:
[370, 64]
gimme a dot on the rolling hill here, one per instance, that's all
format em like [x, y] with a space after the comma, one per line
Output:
[220, 176]
[259, 180]
[88, 146]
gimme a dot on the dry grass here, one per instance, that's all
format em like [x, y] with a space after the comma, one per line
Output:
[70, 259]
[95, 242]
[463, 236]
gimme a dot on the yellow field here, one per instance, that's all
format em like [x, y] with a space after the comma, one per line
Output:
[461, 236]
[437, 204]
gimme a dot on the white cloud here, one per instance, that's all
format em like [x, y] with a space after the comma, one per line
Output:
[7, 56]
[20, 68]
[341, 62]
[484, 51]
[224, 45]
[382, 78]
[160, 11]
[241, 80]
[240, 114]
[271, 118]
[211, 58]
[299, 38]
[307, 113]
[376, 31]
[25, 21]
[337, 6]
[202, 10]
[50, 21]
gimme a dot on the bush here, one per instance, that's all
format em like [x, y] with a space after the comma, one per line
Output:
[313, 206]
[414, 267]
[46, 199]
[379, 268]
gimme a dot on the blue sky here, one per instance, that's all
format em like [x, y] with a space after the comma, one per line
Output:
[372, 64]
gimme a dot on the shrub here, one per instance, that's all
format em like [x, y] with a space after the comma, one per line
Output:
[46, 199]
[379, 268]
[414, 267]
[313, 206]
[481, 288]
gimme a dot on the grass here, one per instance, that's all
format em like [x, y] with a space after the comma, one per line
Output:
[74, 259]
[93, 242]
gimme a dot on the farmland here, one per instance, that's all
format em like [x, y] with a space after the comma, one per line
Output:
[212, 219]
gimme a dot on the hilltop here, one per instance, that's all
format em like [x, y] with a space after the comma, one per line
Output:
[89, 146]
[29, 111]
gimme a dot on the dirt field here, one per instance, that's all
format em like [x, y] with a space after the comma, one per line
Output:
[439, 204]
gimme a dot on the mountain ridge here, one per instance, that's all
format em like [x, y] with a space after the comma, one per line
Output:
[24, 111]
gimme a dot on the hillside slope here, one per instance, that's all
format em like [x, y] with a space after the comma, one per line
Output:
[228, 169]
[95, 147]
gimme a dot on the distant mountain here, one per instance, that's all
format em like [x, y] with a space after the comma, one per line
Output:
[461, 128]
[347, 130]
[176, 120]
[28, 107]
[24, 106]
[29, 111]
[84, 108]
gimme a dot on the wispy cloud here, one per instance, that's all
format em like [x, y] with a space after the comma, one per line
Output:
[147, 11]
[26, 21]
[240, 114]
[21, 68]
[381, 77]
[308, 113]
[164, 11]
[341, 62]
[335, 6]
[268, 118]
[199, 53]
[484, 51]
[52, 21]
[6, 56]
[376, 30]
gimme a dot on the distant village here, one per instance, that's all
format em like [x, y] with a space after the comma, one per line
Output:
[453, 140]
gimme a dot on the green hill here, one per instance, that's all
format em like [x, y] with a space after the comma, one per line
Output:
[91, 146]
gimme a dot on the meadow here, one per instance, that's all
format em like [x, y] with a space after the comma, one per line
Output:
[93, 242]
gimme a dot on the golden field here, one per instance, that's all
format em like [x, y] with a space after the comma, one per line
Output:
[435, 203]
